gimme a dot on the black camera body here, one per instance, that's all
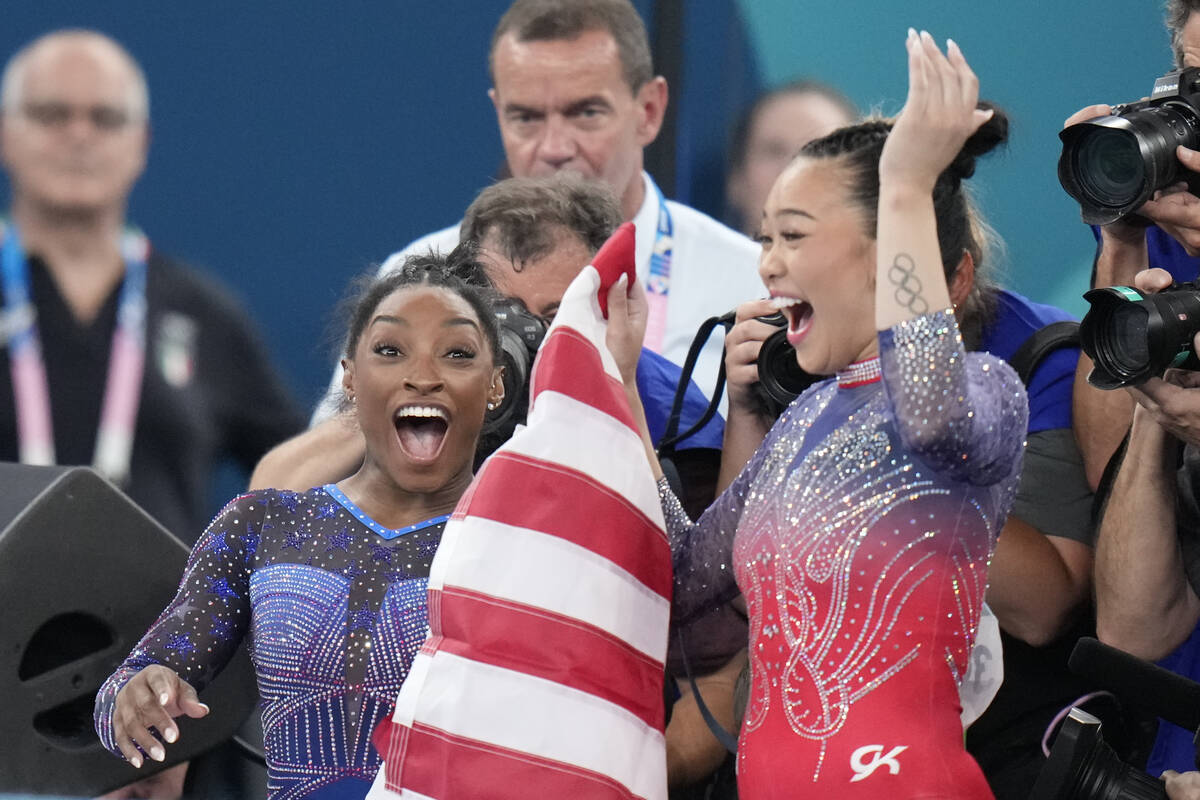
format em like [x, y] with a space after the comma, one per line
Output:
[1113, 164]
[780, 378]
[1132, 337]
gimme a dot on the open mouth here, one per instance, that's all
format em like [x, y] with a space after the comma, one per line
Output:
[421, 431]
[798, 314]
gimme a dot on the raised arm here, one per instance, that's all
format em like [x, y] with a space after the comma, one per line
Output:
[946, 405]
[938, 117]
[1101, 418]
[1144, 602]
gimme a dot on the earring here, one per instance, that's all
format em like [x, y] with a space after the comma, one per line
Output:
[492, 406]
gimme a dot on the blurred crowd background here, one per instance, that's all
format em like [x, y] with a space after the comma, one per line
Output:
[296, 144]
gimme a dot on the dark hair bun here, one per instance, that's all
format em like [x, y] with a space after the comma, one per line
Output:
[990, 135]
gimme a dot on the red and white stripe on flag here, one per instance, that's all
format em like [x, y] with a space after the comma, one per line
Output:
[549, 597]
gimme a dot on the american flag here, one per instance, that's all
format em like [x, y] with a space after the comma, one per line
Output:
[549, 596]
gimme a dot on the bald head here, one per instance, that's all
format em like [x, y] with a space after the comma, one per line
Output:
[73, 126]
[54, 46]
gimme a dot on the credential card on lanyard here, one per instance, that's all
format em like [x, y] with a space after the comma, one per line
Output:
[658, 283]
[35, 433]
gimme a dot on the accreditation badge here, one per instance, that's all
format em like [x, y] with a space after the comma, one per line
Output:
[175, 348]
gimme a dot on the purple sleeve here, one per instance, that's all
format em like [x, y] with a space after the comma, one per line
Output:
[199, 631]
[963, 414]
[702, 551]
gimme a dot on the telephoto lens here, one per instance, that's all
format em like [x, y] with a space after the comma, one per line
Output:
[1132, 337]
[1082, 766]
[1112, 165]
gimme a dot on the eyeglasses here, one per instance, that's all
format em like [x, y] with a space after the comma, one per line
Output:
[53, 114]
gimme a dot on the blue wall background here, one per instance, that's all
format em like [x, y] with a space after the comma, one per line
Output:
[1041, 61]
[296, 143]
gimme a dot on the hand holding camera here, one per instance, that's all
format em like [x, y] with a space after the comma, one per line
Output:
[1137, 334]
[742, 345]
[1113, 164]
[1138, 163]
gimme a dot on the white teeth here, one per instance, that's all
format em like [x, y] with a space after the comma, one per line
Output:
[785, 302]
[421, 411]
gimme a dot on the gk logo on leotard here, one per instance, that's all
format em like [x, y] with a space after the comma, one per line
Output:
[878, 759]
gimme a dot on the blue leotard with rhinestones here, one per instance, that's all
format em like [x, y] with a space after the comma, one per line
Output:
[859, 534]
[333, 606]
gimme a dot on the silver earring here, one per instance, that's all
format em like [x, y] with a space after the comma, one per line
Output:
[492, 406]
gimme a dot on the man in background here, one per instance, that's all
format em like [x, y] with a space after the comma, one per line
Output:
[574, 90]
[113, 355]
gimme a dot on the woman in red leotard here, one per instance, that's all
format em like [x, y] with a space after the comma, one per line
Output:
[860, 529]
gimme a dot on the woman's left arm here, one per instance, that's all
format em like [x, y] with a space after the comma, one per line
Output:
[964, 414]
[938, 117]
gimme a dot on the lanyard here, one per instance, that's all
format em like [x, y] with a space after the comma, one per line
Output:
[658, 283]
[35, 434]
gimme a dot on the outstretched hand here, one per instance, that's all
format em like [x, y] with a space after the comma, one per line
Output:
[152, 699]
[939, 115]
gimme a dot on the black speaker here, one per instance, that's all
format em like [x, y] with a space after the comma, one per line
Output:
[84, 572]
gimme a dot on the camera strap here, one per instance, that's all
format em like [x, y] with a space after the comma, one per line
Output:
[728, 740]
[1040, 344]
[671, 435]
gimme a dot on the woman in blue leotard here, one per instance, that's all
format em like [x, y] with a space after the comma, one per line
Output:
[329, 585]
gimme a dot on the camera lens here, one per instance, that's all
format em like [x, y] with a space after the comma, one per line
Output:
[1112, 164]
[1109, 166]
[1132, 337]
[779, 375]
[1127, 339]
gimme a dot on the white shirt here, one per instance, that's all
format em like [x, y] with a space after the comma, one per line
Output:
[713, 268]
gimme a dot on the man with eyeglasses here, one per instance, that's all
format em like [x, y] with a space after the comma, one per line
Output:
[112, 355]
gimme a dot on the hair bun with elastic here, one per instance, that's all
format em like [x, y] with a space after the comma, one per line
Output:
[988, 137]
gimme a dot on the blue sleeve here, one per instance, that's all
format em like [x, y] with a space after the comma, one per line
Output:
[657, 379]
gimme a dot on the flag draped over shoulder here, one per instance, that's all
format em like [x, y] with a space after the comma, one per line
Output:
[549, 596]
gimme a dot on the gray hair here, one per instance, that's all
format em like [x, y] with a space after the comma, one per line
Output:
[12, 82]
[525, 213]
[1177, 14]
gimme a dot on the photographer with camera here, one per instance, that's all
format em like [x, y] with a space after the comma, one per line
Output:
[1146, 601]
[1164, 233]
[1148, 544]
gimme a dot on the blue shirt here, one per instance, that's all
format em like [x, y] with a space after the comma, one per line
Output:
[656, 380]
[1016, 319]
